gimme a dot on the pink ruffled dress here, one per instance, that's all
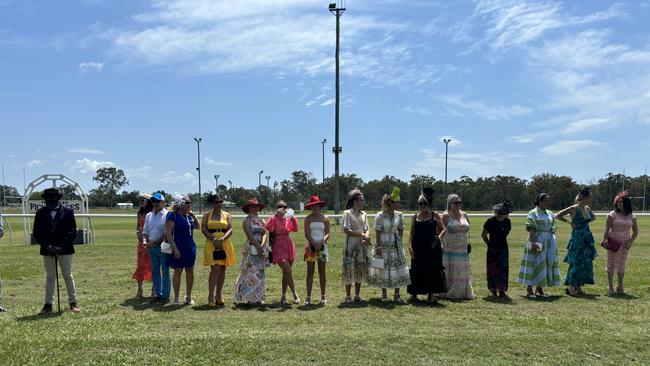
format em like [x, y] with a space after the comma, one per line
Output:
[283, 247]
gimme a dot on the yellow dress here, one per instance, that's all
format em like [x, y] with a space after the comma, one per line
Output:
[218, 228]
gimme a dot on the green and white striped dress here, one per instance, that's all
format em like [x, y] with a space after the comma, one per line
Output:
[541, 268]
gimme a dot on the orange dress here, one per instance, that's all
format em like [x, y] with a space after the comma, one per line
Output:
[143, 269]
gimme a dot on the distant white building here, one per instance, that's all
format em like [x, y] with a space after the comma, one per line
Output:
[124, 205]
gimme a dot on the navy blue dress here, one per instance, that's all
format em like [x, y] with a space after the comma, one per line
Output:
[184, 239]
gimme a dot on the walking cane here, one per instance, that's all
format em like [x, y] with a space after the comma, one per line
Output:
[56, 270]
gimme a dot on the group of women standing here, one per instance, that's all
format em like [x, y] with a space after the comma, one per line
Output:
[438, 245]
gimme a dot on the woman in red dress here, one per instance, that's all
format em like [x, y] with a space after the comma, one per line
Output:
[143, 270]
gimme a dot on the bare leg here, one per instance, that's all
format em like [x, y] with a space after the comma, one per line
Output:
[322, 278]
[189, 283]
[610, 281]
[357, 289]
[310, 277]
[348, 289]
[139, 293]
[212, 282]
[176, 282]
[220, 279]
[620, 289]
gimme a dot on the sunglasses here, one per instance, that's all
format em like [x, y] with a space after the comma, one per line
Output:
[457, 202]
[282, 207]
[423, 204]
[187, 202]
[155, 201]
[219, 202]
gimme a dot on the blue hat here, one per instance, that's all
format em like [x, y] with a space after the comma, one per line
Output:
[158, 196]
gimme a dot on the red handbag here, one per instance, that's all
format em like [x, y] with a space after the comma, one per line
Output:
[613, 244]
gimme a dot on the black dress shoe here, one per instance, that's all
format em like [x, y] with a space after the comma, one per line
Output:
[47, 309]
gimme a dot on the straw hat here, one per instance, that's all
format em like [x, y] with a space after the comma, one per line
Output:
[253, 202]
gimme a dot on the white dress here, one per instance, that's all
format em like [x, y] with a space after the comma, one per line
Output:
[395, 273]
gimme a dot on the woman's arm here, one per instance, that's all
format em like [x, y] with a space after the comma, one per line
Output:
[411, 237]
[169, 235]
[197, 224]
[308, 231]
[484, 235]
[608, 227]
[228, 233]
[378, 242]
[443, 219]
[327, 229]
[204, 228]
[635, 232]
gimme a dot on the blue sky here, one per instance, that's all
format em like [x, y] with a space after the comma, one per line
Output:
[521, 87]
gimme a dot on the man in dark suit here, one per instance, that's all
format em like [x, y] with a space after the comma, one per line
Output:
[55, 229]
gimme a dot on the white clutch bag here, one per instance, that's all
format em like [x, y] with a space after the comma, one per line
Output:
[253, 250]
[537, 245]
[377, 263]
[166, 248]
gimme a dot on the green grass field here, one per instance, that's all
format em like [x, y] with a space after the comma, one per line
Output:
[114, 328]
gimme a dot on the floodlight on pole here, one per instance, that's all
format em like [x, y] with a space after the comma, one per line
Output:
[216, 182]
[446, 141]
[337, 11]
[198, 167]
[259, 178]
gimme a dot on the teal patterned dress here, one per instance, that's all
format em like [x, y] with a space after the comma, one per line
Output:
[581, 251]
[541, 268]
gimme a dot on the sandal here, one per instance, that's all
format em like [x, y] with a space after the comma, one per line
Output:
[138, 295]
[347, 300]
[283, 300]
[384, 298]
[398, 299]
[189, 301]
[212, 303]
[307, 301]
[432, 299]
[358, 299]
[611, 292]
[530, 294]
[220, 302]
[572, 294]
[413, 298]
[323, 301]
[540, 292]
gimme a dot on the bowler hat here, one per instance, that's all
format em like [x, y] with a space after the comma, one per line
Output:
[51, 192]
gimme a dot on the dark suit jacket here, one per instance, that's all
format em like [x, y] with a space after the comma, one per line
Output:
[59, 231]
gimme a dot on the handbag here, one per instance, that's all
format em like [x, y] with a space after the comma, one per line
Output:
[218, 255]
[377, 263]
[538, 245]
[613, 244]
[166, 248]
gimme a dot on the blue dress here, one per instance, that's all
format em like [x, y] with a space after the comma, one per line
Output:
[184, 239]
[581, 252]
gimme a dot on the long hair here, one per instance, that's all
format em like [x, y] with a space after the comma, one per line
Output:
[584, 193]
[627, 206]
[146, 208]
[353, 197]
[450, 198]
[386, 202]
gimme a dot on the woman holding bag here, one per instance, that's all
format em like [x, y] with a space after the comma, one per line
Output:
[357, 240]
[617, 240]
[280, 226]
[251, 284]
[219, 253]
[389, 268]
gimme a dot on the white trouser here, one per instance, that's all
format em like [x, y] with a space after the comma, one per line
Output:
[65, 263]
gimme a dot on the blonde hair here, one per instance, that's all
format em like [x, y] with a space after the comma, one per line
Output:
[386, 202]
[450, 198]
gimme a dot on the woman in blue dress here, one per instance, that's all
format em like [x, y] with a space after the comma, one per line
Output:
[179, 232]
[581, 249]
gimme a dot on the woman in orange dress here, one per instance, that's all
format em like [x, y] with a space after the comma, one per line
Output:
[143, 269]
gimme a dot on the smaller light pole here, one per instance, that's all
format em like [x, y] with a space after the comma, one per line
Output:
[216, 182]
[198, 168]
[323, 143]
[259, 179]
[446, 141]
[268, 178]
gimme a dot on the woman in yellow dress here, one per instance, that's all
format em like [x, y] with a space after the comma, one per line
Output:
[219, 252]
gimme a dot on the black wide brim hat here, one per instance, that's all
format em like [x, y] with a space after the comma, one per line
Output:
[51, 192]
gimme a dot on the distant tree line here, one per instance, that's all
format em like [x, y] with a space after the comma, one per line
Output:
[478, 194]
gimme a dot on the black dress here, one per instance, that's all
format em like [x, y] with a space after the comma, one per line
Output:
[427, 271]
[497, 253]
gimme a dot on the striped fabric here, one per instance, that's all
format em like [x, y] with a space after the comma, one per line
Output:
[541, 268]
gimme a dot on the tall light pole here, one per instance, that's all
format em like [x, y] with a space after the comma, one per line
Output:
[334, 9]
[198, 168]
[230, 182]
[259, 179]
[268, 178]
[230, 191]
[446, 141]
[323, 143]
[216, 182]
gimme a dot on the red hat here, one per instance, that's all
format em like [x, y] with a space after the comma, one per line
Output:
[253, 202]
[620, 196]
[314, 200]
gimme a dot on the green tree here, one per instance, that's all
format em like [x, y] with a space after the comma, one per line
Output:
[110, 180]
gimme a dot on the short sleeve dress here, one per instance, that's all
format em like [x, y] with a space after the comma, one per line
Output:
[395, 273]
[184, 239]
[541, 268]
[355, 254]
[620, 231]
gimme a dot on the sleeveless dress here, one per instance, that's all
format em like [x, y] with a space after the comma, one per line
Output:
[427, 271]
[283, 247]
[541, 268]
[143, 267]
[317, 231]
[355, 255]
[497, 258]
[581, 252]
[621, 226]
[455, 259]
[184, 239]
[218, 228]
[395, 273]
[250, 285]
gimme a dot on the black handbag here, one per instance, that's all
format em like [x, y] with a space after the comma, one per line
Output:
[218, 255]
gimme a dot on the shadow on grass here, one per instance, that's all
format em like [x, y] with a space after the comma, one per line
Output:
[588, 296]
[499, 300]
[141, 304]
[169, 308]
[310, 307]
[624, 297]
[427, 304]
[29, 318]
[547, 298]
[206, 307]
[388, 305]
[353, 305]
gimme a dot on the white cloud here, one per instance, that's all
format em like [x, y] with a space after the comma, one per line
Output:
[35, 162]
[483, 110]
[86, 165]
[454, 141]
[464, 163]
[143, 172]
[589, 124]
[567, 147]
[83, 150]
[86, 67]
[172, 177]
[211, 161]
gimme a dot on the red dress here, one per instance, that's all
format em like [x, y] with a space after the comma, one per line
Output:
[143, 269]
[283, 247]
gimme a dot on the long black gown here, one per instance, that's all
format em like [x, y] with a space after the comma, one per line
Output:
[427, 272]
